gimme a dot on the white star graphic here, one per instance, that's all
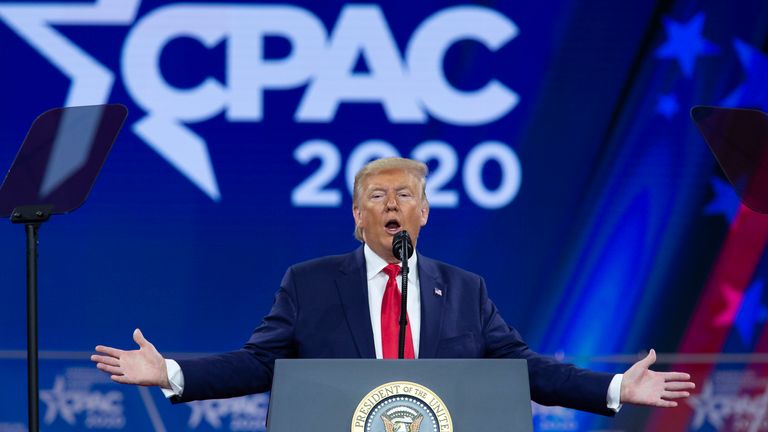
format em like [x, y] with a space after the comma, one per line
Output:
[91, 81]
[57, 402]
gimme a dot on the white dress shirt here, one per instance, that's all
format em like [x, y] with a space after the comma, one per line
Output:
[377, 284]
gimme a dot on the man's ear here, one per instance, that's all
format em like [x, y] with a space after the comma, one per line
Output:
[356, 214]
[424, 214]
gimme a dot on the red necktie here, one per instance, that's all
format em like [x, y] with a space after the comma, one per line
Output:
[390, 318]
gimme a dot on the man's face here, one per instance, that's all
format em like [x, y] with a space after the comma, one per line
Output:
[389, 202]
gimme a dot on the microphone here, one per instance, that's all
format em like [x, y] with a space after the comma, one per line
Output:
[402, 248]
[398, 241]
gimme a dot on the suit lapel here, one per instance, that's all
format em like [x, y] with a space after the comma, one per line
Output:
[433, 292]
[352, 285]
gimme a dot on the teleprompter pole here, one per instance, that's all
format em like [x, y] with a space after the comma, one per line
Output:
[32, 217]
[33, 396]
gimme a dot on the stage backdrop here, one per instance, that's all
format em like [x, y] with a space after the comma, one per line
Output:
[564, 169]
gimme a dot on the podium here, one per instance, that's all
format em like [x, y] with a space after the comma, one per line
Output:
[400, 396]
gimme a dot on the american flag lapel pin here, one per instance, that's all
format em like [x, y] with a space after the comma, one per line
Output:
[438, 292]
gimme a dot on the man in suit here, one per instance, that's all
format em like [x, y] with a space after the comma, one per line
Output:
[345, 306]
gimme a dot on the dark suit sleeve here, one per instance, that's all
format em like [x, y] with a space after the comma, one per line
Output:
[248, 370]
[551, 382]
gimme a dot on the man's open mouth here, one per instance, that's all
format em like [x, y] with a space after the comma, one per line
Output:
[392, 227]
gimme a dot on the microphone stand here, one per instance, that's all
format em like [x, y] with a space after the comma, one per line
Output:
[403, 297]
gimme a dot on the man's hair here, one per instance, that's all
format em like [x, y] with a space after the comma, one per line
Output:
[417, 169]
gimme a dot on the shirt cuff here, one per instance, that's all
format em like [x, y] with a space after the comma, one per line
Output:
[614, 393]
[175, 378]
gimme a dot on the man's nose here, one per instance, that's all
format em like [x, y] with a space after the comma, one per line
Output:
[391, 202]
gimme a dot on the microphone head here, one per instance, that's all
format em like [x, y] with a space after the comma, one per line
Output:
[400, 240]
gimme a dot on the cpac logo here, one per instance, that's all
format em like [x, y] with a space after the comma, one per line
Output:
[246, 413]
[716, 409]
[410, 86]
[102, 410]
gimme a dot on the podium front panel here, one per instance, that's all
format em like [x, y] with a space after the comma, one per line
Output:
[330, 395]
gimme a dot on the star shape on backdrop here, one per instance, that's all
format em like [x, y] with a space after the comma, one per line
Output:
[732, 301]
[743, 310]
[686, 43]
[753, 92]
[59, 403]
[708, 407]
[667, 105]
[725, 202]
[92, 81]
[751, 313]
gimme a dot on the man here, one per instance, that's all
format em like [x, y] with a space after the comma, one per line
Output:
[342, 307]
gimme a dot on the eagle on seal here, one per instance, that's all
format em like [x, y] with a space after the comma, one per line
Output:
[390, 426]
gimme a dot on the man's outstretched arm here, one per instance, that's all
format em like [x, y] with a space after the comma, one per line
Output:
[642, 386]
[144, 366]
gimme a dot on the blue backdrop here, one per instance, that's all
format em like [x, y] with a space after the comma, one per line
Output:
[564, 167]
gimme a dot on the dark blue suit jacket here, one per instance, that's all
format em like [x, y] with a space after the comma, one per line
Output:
[321, 311]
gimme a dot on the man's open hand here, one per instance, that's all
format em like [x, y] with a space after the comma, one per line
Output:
[144, 366]
[642, 386]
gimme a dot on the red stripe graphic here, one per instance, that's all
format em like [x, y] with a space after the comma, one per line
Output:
[718, 305]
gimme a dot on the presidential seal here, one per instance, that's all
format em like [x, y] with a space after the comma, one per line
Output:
[401, 406]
